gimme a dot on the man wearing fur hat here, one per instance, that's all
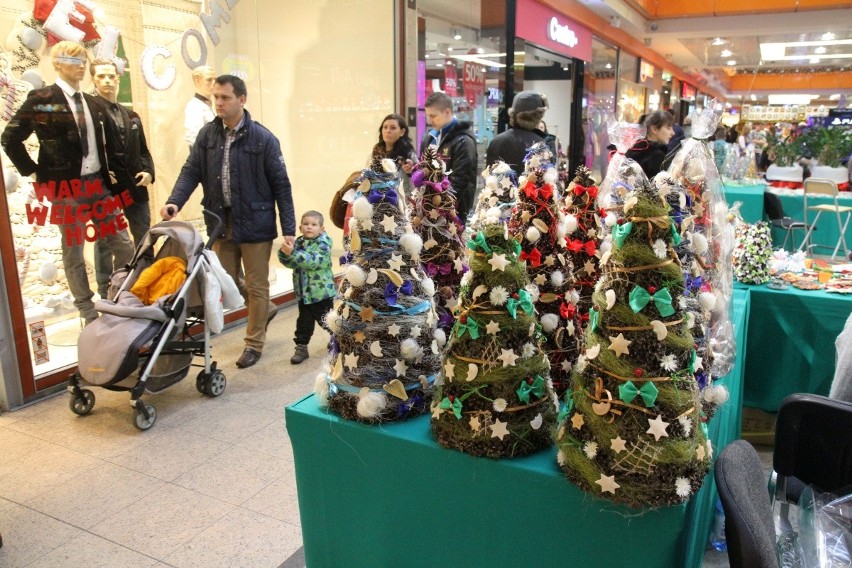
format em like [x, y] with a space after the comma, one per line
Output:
[524, 117]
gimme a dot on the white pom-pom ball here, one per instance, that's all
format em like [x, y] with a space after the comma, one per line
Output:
[522, 180]
[428, 286]
[574, 296]
[549, 322]
[570, 224]
[557, 278]
[440, 336]
[720, 394]
[412, 243]
[501, 168]
[699, 243]
[321, 389]
[533, 234]
[533, 290]
[551, 175]
[409, 349]
[610, 220]
[371, 404]
[491, 181]
[690, 320]
[30, 38]
[48, 272]
[606, 245]
[706, 300]
[389, 166]
[362, 209]
[356, 275]
[333, 321]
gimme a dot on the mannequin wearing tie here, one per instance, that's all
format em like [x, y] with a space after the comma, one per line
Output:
[69, 126]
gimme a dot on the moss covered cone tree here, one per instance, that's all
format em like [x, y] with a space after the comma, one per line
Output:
[539, 225]
[495, 397]
[384, 352]
[631, 429]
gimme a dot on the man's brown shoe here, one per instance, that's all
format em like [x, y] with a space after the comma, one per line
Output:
[248, 358]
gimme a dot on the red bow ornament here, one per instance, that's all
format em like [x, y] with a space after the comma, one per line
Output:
[567, 311]
[544, 192]
[534, 257]
[576, 245]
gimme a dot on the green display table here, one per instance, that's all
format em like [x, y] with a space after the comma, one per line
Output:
[390, 496]
[751, 198]
[827, 231]
[790, 343]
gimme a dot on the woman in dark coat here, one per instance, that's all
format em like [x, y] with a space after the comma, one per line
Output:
[650, 152]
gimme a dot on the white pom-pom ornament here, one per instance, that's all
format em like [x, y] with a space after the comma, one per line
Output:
[533, 290]
[48, 272]
[533, 234]
[355, 275]
[321, 389]
[440, 336]
[610, 220]
[411, 243]
[371, 404]
[491, 181]
[574, 296]
[549, 322]
[570, 224]
[606, 246]
[428, 286]
[706, 300]
[389, 166]
[551, 175]
[556, 278]
[362, 209]
[333, 321]
[409, 349]
[699, 243]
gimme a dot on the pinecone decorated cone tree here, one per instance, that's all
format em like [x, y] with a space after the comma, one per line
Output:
[385, 351]
[435, 219]
[583, 242]
[495, 398]
[497, 199]
[631, 429]
[541, 228]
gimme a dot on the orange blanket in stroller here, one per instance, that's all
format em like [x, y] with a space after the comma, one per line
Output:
[160, 279]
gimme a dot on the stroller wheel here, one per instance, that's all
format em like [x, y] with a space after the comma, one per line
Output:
[139, 419]
[199, 382]
[214, 384]
[82, 402]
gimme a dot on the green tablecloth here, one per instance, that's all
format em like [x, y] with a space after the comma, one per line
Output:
[827, 231]
[390, 496]
[751, 197]
[790, 347]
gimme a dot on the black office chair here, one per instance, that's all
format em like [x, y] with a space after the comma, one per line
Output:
[749, 528]
[775, 212]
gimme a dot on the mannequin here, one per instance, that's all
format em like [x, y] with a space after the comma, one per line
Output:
[199, 110]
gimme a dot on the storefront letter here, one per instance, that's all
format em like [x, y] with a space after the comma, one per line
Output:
[202, 49]
[157, 82]
[214, 19]
[59, 21]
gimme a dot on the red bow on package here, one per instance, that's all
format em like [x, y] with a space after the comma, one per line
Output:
[576, 245]
[592, 190]
[534, 257]
[544, 192]
[43, 8]
[567, 311]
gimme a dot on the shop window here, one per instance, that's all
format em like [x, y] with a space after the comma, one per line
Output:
[599, 102]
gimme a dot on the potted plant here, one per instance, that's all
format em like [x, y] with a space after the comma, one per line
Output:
[830, 144]
[784, 171]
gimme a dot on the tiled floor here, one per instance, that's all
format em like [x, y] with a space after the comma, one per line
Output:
[211, 484]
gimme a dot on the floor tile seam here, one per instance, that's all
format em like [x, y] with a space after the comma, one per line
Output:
[212, 463]
[20, 466]
[185, 431]
[253, 512]
[266, 453]
[74, 449]
[154, 558]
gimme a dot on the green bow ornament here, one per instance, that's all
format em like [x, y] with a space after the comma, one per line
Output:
[471, 326]
[639, 298]
[567, 408]
[675, 235]
[524, 302]
[628, 391]
[478, 243]
[594, 319]
[526, 389]
[693, 358]
[620, 232]
[516, 246]
[455, 406]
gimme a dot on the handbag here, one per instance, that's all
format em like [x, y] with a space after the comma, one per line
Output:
[337, 211]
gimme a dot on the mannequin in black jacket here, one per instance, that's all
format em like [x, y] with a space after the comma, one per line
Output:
[650, 152]
[524, 116]
[455, 143]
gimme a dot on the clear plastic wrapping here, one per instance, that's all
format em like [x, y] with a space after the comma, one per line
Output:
[710, 234]
[622, 172]
[825, 530]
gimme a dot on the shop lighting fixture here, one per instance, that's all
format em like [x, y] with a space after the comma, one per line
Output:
[439, 65]
[480, 50]
[753, 97]
[456, 35]
[820, 50]
[814, 60]
[718, 41]
[828, 36]
[608, 65]
[726, 53]
[778, 51]
[834, 97]
[787, 99]
[426, 56]
[731, 62]
[449, 48]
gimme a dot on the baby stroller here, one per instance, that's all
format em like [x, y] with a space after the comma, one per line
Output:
[154, 339]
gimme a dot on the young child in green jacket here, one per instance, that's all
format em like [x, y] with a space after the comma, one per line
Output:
[313, 280]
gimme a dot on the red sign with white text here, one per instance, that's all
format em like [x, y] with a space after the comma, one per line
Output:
[451, 85]
[550, 29]
[473, 81]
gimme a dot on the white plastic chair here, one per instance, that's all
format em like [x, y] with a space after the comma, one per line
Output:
[825, 187]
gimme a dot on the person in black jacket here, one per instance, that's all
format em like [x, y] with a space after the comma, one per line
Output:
[70, 126]
[650, 152]
[239, 165]
[526, 112]
[455, 143]
[130, 163]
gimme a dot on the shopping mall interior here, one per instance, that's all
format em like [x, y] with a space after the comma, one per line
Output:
[670, 262]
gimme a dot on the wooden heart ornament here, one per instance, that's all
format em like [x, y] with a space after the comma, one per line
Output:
[396, 388]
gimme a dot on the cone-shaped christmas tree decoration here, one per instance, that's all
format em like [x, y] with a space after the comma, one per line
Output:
[497, 199]
[540, 227]
[384, 356]
[435, 220]
[495, 399]
[583, 244]
[631, 430]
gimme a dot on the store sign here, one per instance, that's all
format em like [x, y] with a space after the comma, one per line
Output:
[838, 117]
[646, 71]
[543, 26]
[451, 78]
[473, 81]
[687, 91]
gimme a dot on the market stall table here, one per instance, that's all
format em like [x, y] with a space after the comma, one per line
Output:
[790, 346]
[388, 495]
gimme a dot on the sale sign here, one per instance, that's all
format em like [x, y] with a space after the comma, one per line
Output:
[473, 81]
[451, 80]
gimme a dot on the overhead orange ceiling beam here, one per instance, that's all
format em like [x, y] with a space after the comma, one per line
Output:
[787, 82]
[603, 30]
[662, 9]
